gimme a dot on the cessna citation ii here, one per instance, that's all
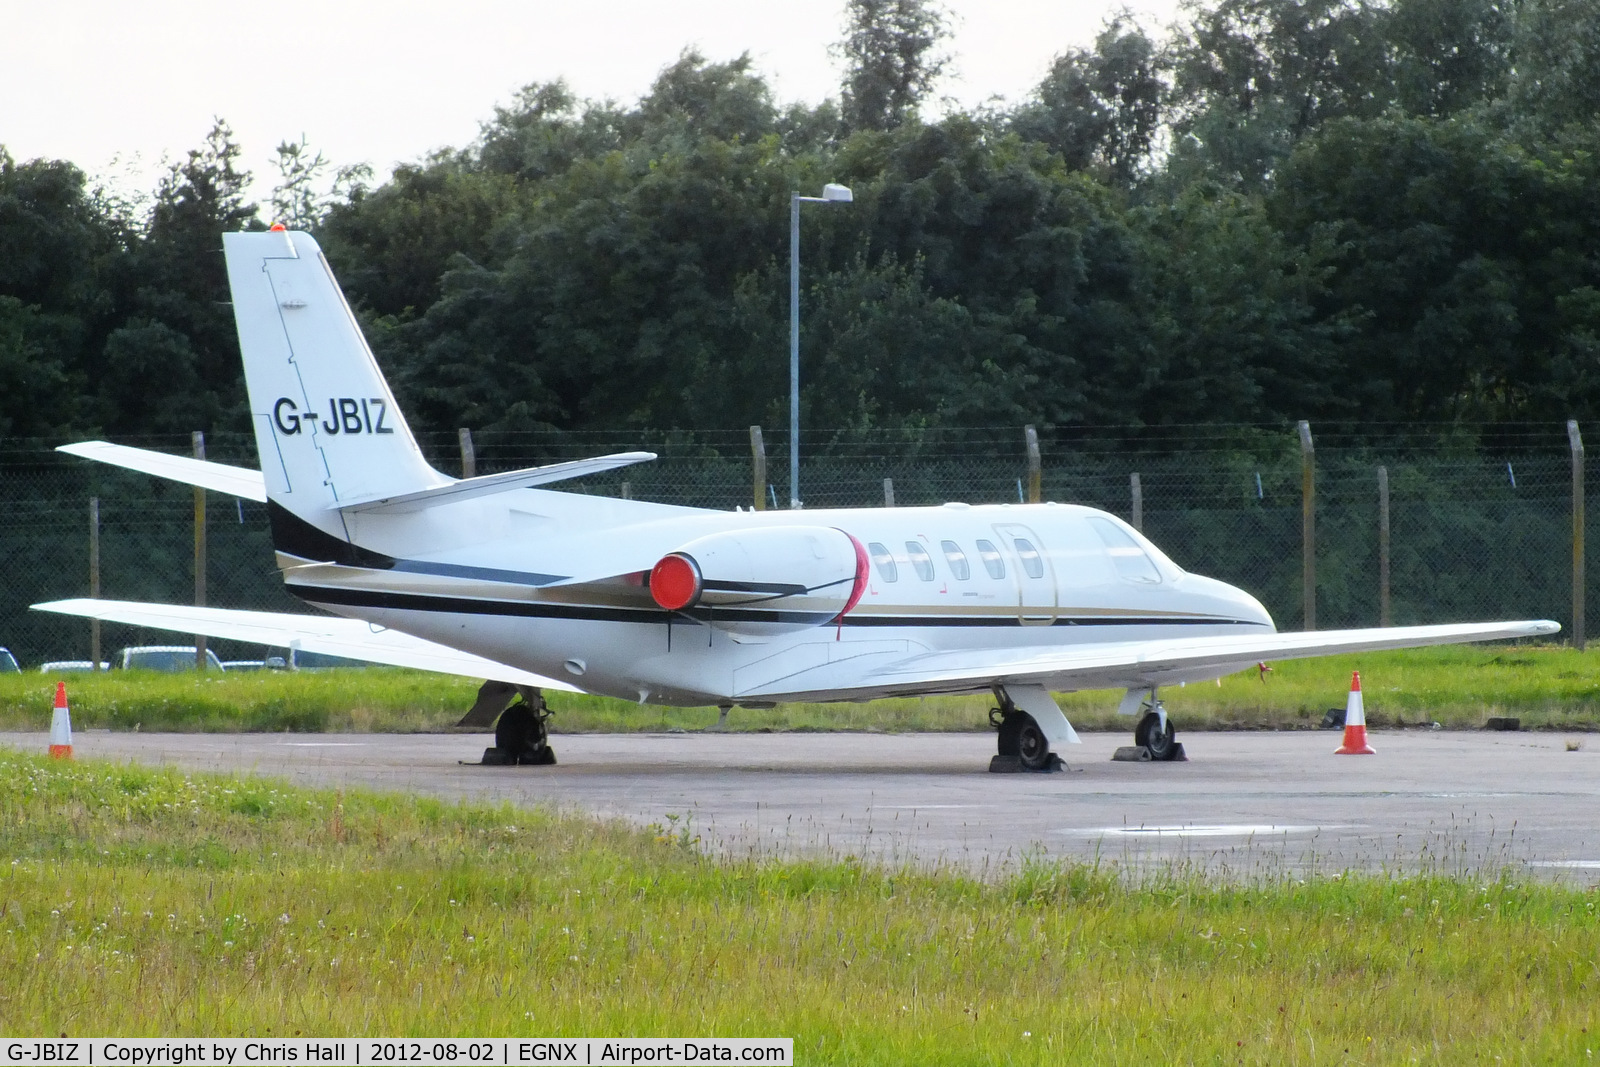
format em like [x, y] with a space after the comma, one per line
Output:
[495, 577]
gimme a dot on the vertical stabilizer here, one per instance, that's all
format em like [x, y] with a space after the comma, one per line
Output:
[327, 427]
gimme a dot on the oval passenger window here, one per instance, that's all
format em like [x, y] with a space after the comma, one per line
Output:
[957, 560]
[993, 562]
[884, 561]
[920, 560]
[1030, 557]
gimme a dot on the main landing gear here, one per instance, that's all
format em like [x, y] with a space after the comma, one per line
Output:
[1022, 744]
[520, 734]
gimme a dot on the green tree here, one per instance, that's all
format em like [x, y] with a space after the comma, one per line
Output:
[1557, 78]
[60, 292]
[1101, 107]
[181, 291]
[890, 60]
[1466, 260]
[309, 185]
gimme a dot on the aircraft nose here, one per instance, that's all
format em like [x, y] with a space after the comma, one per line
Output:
[1235, 603]
[1248, 607]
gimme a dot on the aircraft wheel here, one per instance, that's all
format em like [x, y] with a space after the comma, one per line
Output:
[1033, 748]
[521, 735]
[1150, 735]
[514, 732]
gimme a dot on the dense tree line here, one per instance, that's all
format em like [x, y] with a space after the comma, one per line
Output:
[1326, 209]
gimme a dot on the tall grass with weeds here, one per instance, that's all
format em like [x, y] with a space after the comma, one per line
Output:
[1546, 686]
[148, 902]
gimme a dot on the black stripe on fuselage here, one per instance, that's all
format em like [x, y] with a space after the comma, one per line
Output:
[294, 536]
[368, 598]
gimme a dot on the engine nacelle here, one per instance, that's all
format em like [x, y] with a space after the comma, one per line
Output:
[766, 580]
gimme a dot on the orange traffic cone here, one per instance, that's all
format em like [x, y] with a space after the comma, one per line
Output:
[61, 725]
[1355, 723]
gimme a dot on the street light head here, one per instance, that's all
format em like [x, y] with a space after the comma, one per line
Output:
[839, 193]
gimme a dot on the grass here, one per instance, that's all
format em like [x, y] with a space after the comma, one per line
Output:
[1548, 687]
[139, 901]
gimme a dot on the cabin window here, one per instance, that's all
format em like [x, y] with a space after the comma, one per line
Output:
[1126, 554]
[957, 560]
[993, 562]
[1030, 557]
[920, 560]
[884, 561]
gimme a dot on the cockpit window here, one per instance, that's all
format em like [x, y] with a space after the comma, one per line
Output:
[1030, 557]
[883, 559]
[1126, 554]
[957, 560]
[920, 560]
[993, 562]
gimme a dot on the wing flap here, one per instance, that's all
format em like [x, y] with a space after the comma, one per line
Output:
[235, 481]
[328, 634]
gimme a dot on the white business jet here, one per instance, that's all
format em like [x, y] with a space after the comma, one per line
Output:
[496, 578]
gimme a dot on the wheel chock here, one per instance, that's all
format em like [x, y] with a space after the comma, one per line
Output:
[1141, 754]
[1013, 765]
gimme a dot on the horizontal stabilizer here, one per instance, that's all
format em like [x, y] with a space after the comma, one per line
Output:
[326, 634]
[487, 484]
[235, 481]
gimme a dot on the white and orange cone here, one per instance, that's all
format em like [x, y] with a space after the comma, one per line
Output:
[1355, 723]
[61, 725]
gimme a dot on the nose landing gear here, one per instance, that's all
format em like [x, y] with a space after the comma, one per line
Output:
[1155, 733]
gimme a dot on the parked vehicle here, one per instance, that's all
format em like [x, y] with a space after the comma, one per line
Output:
[8, 662]
[172, 659]
[301, 660]
[70, 666]
[271, 663]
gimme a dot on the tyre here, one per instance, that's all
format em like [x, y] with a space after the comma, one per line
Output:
[1150, 735]
[1033, 748]
[513, 734]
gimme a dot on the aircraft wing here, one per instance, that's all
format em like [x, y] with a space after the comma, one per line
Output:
[327, 634]
[1145, 664]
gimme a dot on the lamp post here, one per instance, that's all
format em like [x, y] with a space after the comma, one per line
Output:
[831, 194]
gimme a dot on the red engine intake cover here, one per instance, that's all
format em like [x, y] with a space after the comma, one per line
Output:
[675, 582]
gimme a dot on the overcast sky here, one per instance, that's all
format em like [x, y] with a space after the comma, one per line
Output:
[385, 82]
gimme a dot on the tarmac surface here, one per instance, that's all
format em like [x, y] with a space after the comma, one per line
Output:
[1245, 804]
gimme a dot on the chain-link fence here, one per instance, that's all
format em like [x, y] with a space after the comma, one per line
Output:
[1480, 520]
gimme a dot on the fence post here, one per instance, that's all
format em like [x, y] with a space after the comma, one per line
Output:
[888, 492]
[1383, 547]
[1138, 501]
[199, 442]
[1035, 471]
[94, 580]
[758, 467]
[1575, 442]
[469, 455]
[1308, 524]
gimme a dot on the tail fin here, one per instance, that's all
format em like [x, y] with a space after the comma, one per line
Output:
[327, 427]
